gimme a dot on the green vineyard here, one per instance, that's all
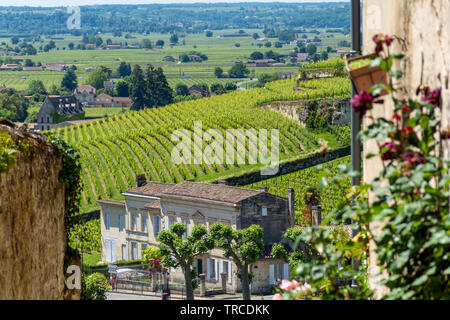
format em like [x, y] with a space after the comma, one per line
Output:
[116, 148]
[300, 181]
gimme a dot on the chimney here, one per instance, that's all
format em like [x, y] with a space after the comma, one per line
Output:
[291, 206]
[316, 216]
[263, 188]
[141, 180]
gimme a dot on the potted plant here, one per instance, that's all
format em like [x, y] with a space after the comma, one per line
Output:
[363, 73]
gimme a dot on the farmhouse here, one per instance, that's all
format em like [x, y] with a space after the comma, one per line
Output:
[113, 46]
[302, 57]
[109, 85]
[197, 90]
[234, 35]
[55, 110]
[54, 66]
[105, 100]
[33, 69]
[9, 66]
[129, 226]
[85, 94]
[169, 59]
[194, 58]
[3, 87]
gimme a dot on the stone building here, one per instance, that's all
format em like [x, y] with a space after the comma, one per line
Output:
[129, 226]
[85, 94]
[55, 110]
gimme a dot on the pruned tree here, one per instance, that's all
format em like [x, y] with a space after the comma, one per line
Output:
[242, 246]
[177, 252]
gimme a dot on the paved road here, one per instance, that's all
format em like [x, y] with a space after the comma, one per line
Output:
[126, 296]
[241, 84]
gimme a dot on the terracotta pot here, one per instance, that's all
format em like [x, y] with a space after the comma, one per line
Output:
[366, 77]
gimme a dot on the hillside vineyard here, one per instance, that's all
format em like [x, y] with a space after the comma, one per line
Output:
[115, 149]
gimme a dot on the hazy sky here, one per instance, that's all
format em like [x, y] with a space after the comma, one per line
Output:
[58, 3]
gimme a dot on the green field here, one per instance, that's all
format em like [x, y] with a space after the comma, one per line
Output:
[116, 148]
[221, 52]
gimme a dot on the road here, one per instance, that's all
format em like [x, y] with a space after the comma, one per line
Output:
[240, 84]
[126, 296]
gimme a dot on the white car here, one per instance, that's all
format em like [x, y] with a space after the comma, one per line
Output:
[126, 273]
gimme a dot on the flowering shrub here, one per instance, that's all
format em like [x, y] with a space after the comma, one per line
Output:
[409, 198]
[94, 287]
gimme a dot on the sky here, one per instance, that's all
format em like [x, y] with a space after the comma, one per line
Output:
[59, 3]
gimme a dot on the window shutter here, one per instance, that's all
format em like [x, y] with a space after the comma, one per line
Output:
[114, 250]
[208, 268]
[286, 271]
[217, 269]
[229, 271]
[272, 274]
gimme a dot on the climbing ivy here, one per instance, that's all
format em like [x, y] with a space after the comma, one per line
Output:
[70, 175]
[7, 151]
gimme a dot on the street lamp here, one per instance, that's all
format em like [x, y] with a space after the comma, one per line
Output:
[356, 147]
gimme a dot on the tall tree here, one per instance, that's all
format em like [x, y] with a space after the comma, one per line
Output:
[242, 246]
[177, 252]
[238, 70]
[97, 77]
[218, 72]
[69, 81]
[36, 87]
[138, 88]
[124, 69]
[122, 89]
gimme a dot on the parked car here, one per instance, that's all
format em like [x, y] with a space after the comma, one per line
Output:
[127, 273]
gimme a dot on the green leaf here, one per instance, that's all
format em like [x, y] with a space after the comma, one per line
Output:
[420, 281]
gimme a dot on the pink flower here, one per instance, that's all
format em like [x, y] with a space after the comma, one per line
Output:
[406, 109]
[413, 158]
[392, 151]
[288, 285]
[408, 130]
[277, 297]
[388, 40]
[362, 102]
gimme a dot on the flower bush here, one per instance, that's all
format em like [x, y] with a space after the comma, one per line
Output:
[409, 199]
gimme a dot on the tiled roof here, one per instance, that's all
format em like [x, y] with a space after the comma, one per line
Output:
[65, 104]
[151, 188]
[153, 205]
[208, 192]
[112, 202]
[85, 88]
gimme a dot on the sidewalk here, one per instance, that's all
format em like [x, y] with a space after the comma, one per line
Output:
[229, 296]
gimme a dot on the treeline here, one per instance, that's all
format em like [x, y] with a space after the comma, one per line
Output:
[165, 18]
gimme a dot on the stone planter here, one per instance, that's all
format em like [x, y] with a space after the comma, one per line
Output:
[366, 77]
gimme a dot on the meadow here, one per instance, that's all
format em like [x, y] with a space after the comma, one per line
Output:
[221, 52]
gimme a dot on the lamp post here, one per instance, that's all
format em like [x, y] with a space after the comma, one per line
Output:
[356, 147]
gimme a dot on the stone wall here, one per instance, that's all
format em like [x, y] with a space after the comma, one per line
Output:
[304, 162]
[32, 231]
[298, 110]
[424, 25]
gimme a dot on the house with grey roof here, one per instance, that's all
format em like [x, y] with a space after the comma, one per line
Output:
[129, 226]
[58, 109]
